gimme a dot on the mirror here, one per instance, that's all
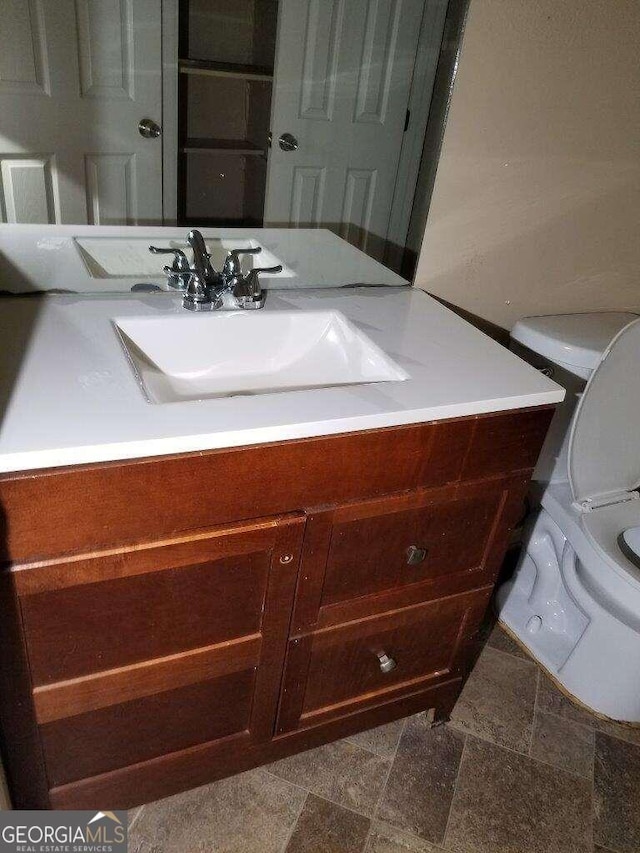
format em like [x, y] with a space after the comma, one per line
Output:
[294, 113]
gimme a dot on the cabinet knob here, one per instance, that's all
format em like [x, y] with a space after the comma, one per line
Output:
[286, 558]
[387, 664]
[415, 555]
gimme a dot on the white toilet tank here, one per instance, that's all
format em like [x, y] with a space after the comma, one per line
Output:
[568, 348]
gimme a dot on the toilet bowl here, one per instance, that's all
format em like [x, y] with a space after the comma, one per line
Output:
[574, 599]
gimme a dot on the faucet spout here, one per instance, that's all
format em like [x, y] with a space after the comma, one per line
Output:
[205, 285]
[202, 262]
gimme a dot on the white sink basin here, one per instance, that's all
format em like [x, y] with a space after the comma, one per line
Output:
[228, 353]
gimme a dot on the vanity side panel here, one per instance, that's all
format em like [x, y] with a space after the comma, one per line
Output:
[510, 442]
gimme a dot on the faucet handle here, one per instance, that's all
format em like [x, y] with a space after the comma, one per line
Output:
[179, 272]
[253, 279]
[249, 293]
[180, 261]
[232, 261]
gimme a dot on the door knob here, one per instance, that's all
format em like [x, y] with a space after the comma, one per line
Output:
[288, 142]
[149, 129]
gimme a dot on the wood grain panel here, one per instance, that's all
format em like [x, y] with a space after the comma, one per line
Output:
[191, 686]
[176, 771]
[119, 735]
[275, 625]
[355, 555]
[108, 505]
[113, 687]
[213, 544]
[22, 750]
[501, 443]
[169, 709]
[105, 625]
[335, 671]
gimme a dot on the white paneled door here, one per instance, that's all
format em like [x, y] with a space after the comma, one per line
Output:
[76, 78]
[342, 81]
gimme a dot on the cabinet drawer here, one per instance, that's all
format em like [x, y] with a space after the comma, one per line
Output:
[381, 555]
[343, 669]
[396, 542]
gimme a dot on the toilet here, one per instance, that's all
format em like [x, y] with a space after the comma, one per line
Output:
[574, 599]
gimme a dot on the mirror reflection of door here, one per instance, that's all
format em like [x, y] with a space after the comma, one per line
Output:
[342, 81]
[341, 88]
[76, 78]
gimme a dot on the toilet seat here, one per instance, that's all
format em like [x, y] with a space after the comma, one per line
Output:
[605, 529]
[604, 444]
[604, 568]
[630, 544]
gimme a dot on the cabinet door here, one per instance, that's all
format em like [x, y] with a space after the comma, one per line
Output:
[155, 649]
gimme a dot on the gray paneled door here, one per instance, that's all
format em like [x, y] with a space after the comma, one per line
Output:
[342, 81]
[76, 77]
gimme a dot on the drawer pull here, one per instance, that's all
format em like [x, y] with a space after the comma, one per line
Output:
[387, 664]
[415, 555]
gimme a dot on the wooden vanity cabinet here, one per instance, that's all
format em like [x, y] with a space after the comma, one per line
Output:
[173, 620]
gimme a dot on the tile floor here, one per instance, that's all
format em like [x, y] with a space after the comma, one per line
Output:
[518, 770]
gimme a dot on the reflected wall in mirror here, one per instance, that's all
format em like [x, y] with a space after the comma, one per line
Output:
[294, 113]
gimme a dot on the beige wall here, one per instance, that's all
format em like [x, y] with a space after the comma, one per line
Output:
[536, 204]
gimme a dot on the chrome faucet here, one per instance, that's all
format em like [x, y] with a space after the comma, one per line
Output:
[204, 287]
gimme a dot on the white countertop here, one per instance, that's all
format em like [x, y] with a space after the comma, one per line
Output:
[68, 394]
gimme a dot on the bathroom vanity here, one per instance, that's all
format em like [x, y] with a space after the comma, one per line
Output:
[195, 588]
